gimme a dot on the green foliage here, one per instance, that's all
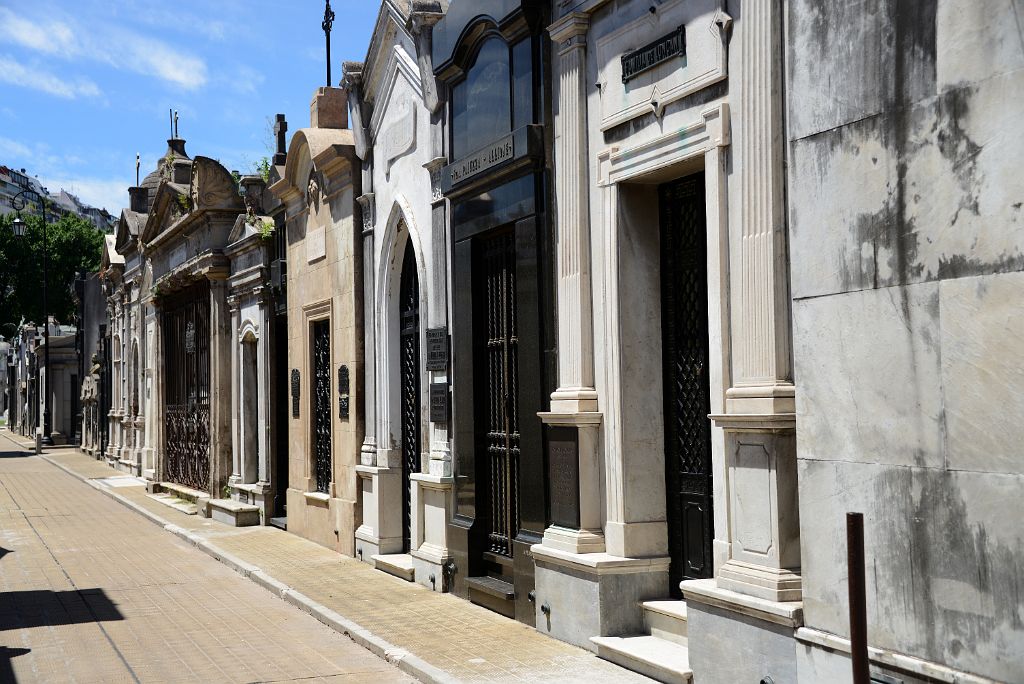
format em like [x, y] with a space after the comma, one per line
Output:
[262, 169]
[237, 176]
[184, 203]
[266, 229]
[74, 245]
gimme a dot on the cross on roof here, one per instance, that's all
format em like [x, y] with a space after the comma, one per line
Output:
[327, 23]
[280, 128]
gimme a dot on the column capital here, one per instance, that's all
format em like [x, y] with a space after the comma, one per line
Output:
[568, 29]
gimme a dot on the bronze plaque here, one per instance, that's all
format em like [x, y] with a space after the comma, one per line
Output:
[564, 477]
[439, 402]
[653, 54]
[437, 349]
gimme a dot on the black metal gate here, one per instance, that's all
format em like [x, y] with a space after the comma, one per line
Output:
[322, 404]
[687, 394]
[502, 438]
[409, 359]
[186, 330]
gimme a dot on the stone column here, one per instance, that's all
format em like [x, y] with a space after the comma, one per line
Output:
[574, 417]
[368, 452]
[153, 469]
[220, 385]
[236, 390]
[759, 419]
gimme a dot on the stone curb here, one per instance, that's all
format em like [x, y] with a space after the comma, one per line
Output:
[399, 657]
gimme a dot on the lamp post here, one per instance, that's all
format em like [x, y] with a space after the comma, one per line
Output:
[19, 202]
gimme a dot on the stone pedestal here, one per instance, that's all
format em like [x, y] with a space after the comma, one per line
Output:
[431, 509]
[381, 530]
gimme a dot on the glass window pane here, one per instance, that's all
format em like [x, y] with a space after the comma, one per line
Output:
[522, 86]
[482, 111]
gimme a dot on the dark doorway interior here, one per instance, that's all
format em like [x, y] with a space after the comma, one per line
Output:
[409, 371]
[686, 382]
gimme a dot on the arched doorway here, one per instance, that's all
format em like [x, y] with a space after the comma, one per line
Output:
[409, 384]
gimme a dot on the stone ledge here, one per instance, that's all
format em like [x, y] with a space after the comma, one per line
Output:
[899, 661]
[788, 614]
[438, 481]
[598, 563]
[317, 498]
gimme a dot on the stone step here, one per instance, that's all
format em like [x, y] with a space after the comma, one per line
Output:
[657, 658]
[183, 492]
[666, 620]
[186, 507]
[397, 564]
[234, 513]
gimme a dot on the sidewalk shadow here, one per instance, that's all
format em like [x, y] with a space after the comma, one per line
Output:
[45, 608]
[4, 552]
[15, 454]
[6, 668]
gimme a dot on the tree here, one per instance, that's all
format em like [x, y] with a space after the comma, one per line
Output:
[74, 245]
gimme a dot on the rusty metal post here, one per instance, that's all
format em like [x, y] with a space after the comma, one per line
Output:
[858, 602]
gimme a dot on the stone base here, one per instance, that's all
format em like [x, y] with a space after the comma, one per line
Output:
[772, 584]
[234, 513]
[429, 562]
[367, 545]
[594, 594]
[573, 541]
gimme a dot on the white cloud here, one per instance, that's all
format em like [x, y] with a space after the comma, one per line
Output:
[19, 74]
[106, 43]
[109, 194]
[13, 148]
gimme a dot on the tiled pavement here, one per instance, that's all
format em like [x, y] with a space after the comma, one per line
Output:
[435, 636]
[94, 593]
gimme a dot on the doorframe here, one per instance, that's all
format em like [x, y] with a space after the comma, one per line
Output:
[694, 147]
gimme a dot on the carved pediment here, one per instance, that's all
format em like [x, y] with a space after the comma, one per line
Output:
[213, 187]
[169, 205]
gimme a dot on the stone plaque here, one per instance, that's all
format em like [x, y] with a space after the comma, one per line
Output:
[480, 161]
[437, 349]
[439, 402]
[343, 392]
[316, 244]
[651, 55]
[564, 477]
[295, 392]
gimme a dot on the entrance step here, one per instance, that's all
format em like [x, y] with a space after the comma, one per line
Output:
[234, 513]
[666, 620]
[178, 504]
[397, 564]
[280, 523]
[494, 594]
[657, 658]
[183, 492]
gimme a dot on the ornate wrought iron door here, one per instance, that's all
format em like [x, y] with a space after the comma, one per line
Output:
[186, 328]
[686, 383]
[321, 413]
[409, 360]
[502, 438]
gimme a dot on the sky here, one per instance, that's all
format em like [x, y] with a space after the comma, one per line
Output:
[87, 84]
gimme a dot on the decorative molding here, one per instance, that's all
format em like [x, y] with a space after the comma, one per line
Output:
[707, 29]
[434, 167]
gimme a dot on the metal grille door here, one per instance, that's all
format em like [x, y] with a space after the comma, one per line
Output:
[409, 311]
[186, 329]
[687, 394]
[502, 440]
[322, 404]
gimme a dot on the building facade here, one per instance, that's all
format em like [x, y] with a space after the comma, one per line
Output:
[325, 324]
[405, 469]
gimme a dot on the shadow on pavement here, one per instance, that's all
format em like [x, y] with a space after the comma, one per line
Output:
[15, 454]
[4, 552]
[6, 656]
[45, 608]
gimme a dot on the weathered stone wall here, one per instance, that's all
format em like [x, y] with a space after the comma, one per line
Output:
[907, 250]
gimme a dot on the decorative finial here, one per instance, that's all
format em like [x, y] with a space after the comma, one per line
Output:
[138, 161]
[175, 123]
[170, 115]
[328, 22]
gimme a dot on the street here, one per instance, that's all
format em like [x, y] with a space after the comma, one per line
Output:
[93, 592]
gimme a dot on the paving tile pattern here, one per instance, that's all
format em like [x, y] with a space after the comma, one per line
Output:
[468, 642]
[92, 592]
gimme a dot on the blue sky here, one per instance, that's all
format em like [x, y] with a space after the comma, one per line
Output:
[86, 84]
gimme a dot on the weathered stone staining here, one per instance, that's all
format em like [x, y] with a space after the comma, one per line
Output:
[603, 314]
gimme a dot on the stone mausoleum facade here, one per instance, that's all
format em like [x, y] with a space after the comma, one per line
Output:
[603, 314]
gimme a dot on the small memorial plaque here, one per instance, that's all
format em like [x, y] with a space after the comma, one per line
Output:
[439, 402]
[295, 392]
[563, 477]
[343, 392]
[653, 54]
[437, 349]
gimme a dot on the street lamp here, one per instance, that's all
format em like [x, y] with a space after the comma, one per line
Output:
[19, 202]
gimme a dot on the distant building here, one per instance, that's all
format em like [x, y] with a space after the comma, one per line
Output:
[61, 204]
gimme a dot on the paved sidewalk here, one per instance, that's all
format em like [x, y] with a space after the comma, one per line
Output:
[93, 593]
[434, 636]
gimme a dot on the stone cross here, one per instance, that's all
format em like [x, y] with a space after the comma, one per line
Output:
[280, 128]
[327, 23]
[138, 161]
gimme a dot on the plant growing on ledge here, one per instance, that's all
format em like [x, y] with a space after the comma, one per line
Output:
[262, 168]
[184, 203]
[266, 229]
